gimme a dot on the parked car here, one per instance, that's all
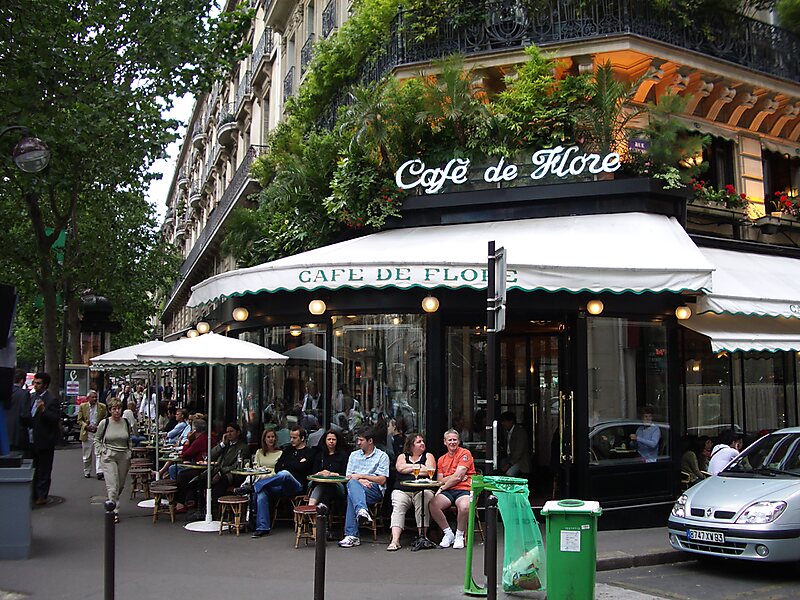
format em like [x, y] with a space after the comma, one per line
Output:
[751, 510]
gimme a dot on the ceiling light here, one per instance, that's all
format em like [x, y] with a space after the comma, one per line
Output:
[594, 307]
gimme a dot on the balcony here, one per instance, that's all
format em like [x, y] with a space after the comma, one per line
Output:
[241, 186]
[196, 196]
[244, 93]
[329, 18]
[226, 126]
[288, 84]
[183, 179]
[306, 53]
[510, 24]
[198, 136]
[261, 60]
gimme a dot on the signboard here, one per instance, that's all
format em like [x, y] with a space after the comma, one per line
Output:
[559, 162]
[500, 280]
[76, 382]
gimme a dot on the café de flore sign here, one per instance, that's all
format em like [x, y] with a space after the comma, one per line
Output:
[558, 162]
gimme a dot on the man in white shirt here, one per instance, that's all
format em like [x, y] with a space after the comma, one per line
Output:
[728, 448]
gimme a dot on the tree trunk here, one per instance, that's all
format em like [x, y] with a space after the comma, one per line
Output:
[50, 337]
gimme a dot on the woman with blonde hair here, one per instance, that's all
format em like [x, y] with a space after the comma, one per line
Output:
[113, 445]
[267, 456]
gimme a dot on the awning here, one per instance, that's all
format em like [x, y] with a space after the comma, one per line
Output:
[752, 284]
[737, 332]
[631, 252]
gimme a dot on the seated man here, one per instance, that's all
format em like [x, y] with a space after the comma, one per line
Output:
[455, 470]
[291, 472]
[367, 472]
[229, 454]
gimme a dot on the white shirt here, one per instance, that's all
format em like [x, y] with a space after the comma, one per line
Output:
[720, 457]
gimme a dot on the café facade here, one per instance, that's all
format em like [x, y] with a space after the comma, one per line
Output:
[620, 296]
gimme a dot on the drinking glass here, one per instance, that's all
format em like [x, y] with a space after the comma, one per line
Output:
[415, 470]
[431, 472]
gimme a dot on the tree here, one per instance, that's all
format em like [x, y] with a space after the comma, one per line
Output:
[92, 80]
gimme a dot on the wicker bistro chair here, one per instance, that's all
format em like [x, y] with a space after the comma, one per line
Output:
[305, 521]
[140, 481]
[231, 511]
[280, 502]
[164, 490]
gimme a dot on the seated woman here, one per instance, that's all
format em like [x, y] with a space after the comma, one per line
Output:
[331, 460]
[414, 458]
[689, 459]
[267, 456]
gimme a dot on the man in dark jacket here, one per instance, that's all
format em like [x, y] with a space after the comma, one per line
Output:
[43, 422]
[290, 479]
[229, 454]
[17, 407]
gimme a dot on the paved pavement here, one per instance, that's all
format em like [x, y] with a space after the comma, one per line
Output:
[166, 561]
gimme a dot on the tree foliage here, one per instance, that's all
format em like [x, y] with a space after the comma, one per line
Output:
[92, 79]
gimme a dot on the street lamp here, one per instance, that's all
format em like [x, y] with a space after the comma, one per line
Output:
[31, 155]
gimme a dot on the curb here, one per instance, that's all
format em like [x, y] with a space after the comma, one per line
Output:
[611, 561]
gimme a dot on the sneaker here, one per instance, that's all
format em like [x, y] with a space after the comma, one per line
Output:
[349, 541]
[259, 533]
[458, 542]
[363, 517]
[447, 539]
[100, 476]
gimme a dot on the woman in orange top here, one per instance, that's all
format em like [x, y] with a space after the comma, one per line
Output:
[455, 470]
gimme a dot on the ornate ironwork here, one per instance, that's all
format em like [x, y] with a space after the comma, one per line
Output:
[515, 24]
[263, 48]
[231, 195]
[243, 91]
[288, 84]
[328, 18]
[305, 53]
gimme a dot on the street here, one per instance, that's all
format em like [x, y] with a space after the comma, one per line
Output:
[710, 579]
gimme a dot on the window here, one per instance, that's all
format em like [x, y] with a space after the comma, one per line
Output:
[628, 408]
[708, 397]
[379, 372]
[761, 377]
[718, 155]
[466, 386]
[781, 174]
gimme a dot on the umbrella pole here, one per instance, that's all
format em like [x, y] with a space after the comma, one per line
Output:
[210, 430]
[158, 469]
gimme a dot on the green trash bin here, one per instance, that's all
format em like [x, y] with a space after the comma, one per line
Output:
[571, 548]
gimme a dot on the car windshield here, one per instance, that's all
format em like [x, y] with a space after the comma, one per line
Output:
[773, 455]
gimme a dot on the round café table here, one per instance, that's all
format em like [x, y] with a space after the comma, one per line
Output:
[252, 474]
[418, 486]
[328, 479]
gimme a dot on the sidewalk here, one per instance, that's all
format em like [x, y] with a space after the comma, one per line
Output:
[164, 560]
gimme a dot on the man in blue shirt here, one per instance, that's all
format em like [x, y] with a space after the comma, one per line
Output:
[367, 471]
[647, 436]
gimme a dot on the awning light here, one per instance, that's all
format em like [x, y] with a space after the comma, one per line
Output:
[317, 307]
[594, 307]
[240, 314]
[683, 312]
[430, 304]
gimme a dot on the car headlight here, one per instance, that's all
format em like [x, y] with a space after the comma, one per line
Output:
[679, 508]
[762, 512]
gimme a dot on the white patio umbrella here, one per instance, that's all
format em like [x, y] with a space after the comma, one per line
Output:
[311, 353]
[126, 359]
[209, 350]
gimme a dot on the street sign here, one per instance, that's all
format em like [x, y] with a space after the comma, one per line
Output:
[76, 381]
[500, 286]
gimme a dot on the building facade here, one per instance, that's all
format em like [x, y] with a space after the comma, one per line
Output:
[390, 328]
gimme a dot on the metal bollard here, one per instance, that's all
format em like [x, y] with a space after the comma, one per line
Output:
[110, 543]
[490, 548]
[319, 551]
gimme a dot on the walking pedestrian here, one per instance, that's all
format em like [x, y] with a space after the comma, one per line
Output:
[113, 445]
[90, 414]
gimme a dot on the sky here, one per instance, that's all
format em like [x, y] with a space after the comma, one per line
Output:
[157, 194]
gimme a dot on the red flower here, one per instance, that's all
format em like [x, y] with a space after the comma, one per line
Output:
[730, 189]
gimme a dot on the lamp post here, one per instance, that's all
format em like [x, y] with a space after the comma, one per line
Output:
[31, 155]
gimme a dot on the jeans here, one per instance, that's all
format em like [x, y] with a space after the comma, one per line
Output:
[358, 497]
[283, 484]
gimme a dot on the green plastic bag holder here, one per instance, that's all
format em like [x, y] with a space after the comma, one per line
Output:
[497, 485]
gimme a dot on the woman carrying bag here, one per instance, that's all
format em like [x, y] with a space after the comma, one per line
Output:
[113, 445]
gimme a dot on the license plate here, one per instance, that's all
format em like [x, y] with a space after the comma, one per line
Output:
[706, 536]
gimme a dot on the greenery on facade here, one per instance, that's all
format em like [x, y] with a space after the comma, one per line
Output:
[91, 80]
[318, 184]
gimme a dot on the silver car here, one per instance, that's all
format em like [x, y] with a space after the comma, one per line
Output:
[751, 510]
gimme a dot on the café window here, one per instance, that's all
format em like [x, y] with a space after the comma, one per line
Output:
[628, 407]
[781, 175]
[466, 386]
[709, 404]
[719, 156]
[378, 374]
[761, 377]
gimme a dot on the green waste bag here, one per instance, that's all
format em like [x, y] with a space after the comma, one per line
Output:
[523, 556]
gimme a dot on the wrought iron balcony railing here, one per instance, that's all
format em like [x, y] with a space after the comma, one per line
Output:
[288, 84]
[263, 48]
[328, 18]
[515, 24]
[305, 53]
[232, 193]
[243, 91]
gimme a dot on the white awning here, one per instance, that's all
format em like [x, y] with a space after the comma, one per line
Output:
[752, 284]
[631, 252]
[738, 332]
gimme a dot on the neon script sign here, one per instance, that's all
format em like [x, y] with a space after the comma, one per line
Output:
[559, 162]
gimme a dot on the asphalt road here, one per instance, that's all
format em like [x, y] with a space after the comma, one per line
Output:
[711, 579]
